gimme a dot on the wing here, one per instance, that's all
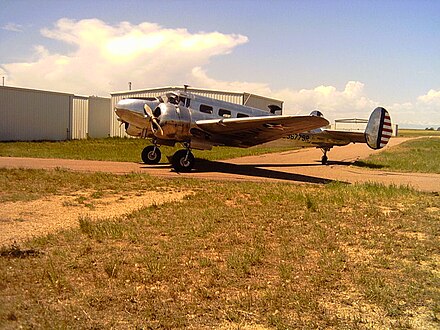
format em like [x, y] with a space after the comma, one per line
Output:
[250, 131]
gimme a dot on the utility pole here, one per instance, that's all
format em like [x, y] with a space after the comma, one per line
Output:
[3, 81]
[129, 85]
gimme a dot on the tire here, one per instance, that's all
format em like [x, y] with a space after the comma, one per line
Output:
[183, 161]
[151, 155]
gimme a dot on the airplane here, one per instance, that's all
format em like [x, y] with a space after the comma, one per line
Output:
[199, 122]
[376, 135]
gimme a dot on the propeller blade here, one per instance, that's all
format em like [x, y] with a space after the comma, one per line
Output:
[159, 128]
[148, 110]
[156, 127]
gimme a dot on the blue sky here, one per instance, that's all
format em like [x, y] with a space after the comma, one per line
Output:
[340, 56]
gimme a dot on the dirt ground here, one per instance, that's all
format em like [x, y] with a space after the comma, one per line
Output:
[297, 166]
[23, 220]
[20, 221]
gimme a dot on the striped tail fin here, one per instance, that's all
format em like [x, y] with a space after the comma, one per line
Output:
[379, 129]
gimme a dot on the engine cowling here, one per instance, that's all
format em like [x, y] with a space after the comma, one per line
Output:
[175, 121]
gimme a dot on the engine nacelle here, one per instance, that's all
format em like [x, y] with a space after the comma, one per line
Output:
[174, 120]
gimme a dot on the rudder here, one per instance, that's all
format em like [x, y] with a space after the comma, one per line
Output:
[379, 129]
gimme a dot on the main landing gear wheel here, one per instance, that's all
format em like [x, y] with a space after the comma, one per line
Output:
[151, 155]
[324, 158]
[183, 161]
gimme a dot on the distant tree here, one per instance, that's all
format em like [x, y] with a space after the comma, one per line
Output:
[429, 128]
[438, 128]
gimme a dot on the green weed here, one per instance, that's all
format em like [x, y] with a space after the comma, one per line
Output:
[420, 155]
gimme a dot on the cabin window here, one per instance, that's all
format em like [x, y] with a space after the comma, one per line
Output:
[188, 103]
[242, 115]
[205, 108]
[224, 113]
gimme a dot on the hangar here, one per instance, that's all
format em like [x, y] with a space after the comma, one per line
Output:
[356, 125]
[32, 115]
[243, 98]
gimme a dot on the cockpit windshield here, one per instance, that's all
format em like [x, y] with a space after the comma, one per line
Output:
[176, 99]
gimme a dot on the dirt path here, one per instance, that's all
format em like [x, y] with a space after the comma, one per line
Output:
[20, 221]
[301, 166]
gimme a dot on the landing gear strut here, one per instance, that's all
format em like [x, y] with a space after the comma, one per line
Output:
[324, 158]
[183, 160]
[151, 155]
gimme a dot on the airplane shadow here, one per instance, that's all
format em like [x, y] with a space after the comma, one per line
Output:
[206, 166]
[367, 165]
[317, 163]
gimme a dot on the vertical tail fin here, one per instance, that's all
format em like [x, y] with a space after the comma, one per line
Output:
[379, 129]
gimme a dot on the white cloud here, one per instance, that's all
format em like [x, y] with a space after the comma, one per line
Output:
[425, 111]
[351, 102]
[12, 27]
[431, 98]
[106, 57]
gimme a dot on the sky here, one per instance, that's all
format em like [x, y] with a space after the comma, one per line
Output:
[342, 57]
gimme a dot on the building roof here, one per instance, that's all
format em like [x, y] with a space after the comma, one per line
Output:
[192, 89]
[352, 121]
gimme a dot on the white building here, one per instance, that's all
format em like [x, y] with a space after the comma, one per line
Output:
[356, 125]
[33, 115]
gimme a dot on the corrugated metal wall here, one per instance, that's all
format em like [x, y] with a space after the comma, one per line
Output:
[99, 117]
[260, 102]
[28, 114]
[79, 117]
[352, 125]
[356, 125]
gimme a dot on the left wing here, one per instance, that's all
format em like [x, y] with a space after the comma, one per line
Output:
[250, 131]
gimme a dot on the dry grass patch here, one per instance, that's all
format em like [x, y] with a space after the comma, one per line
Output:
[238, 255]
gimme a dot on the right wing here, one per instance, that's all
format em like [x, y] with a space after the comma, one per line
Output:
[250, 131]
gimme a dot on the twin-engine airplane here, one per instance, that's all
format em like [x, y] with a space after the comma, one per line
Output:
[199, 122]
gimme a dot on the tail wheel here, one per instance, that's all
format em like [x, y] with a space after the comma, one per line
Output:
[183, 161]
[151, 155]
[324, 160]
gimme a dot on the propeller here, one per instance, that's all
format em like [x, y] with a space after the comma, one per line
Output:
[155, 127]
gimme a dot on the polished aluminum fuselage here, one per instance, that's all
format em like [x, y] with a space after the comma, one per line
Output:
[177, 114]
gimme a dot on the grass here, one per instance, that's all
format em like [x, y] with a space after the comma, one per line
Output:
[123, 149]
[231, 255]
[417, 133]
[420, 155]
[19, 185]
